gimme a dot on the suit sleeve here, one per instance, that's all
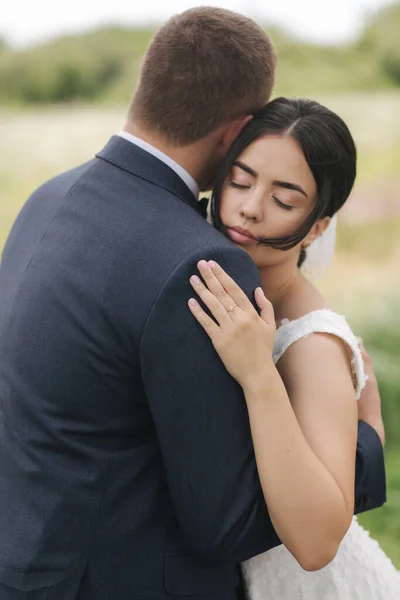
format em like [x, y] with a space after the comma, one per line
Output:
[370, 484]
[201, 420]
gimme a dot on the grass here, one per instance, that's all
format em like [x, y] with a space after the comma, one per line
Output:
[384, 523]
[374, 244]
[362, 282]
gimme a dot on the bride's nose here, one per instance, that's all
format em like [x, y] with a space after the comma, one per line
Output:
[251, 210]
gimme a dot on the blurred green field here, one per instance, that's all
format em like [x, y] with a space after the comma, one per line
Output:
[384, 523]
[364, 287]
[36, 144]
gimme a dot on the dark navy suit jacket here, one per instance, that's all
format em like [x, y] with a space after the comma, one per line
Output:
[126, 463]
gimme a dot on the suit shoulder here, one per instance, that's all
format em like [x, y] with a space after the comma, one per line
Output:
[63, 182]
[185, 230]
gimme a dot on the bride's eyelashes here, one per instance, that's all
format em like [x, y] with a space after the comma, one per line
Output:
[282, 204]
[239, 186]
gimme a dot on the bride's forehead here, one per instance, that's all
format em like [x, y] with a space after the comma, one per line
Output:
[279, 157]
[283, 149]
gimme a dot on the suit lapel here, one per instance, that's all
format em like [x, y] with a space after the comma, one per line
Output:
[138, 162]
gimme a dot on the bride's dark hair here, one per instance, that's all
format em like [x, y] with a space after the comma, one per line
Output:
[328, 148]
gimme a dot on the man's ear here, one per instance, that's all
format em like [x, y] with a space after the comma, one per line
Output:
[317, 229]
[232, 131]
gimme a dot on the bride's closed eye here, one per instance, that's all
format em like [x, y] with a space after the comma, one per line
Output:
[239, 185]
[282, 204]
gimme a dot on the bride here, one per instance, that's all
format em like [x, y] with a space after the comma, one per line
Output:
[300, 365]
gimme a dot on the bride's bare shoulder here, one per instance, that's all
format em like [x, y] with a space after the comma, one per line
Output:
[299, 301]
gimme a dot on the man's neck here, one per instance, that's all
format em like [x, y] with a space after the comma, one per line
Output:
[193, 158]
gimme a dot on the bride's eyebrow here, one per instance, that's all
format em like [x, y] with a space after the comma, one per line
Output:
[244, 167]
[290, 186]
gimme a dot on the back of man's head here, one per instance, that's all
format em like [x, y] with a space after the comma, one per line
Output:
[204, 68]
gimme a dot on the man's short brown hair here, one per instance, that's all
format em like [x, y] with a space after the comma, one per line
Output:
[203, 68]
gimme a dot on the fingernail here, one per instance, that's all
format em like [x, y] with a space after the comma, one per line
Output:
[194, 279]
[261, 290]
[203, 266]
[192, 302]
[212, 264]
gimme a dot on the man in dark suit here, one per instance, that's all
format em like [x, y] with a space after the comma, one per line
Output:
[126, 462]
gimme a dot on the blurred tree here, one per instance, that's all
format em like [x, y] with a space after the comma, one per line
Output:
[104, 64]
[71, 67]
[381, 40]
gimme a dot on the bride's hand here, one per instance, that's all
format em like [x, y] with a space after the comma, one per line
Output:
[243, 339]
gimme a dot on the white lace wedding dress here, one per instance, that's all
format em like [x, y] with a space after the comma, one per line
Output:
[360, 570]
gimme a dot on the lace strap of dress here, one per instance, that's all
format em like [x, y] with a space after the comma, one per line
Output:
[321, 321]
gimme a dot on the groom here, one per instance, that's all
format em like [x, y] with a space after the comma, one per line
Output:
[126, 462]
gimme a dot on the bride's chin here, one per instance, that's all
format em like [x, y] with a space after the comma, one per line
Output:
[259, 256]
[251, 251]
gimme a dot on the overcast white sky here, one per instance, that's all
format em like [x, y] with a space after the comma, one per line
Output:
[26, 21]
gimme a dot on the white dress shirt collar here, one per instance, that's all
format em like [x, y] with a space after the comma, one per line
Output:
[180, 171]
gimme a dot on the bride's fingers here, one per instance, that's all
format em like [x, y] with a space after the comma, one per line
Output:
[231, 287]
[209, 326]
[265, 306]
[213, 304]
[215, 286]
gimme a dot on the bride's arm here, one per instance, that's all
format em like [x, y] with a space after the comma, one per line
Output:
[317, 375]
[305, 446]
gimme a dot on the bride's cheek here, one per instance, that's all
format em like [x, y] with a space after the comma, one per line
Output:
[229, 202]
[280, 223]
[224, 213]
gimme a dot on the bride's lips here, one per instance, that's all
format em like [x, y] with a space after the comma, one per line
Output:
[241, 236]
